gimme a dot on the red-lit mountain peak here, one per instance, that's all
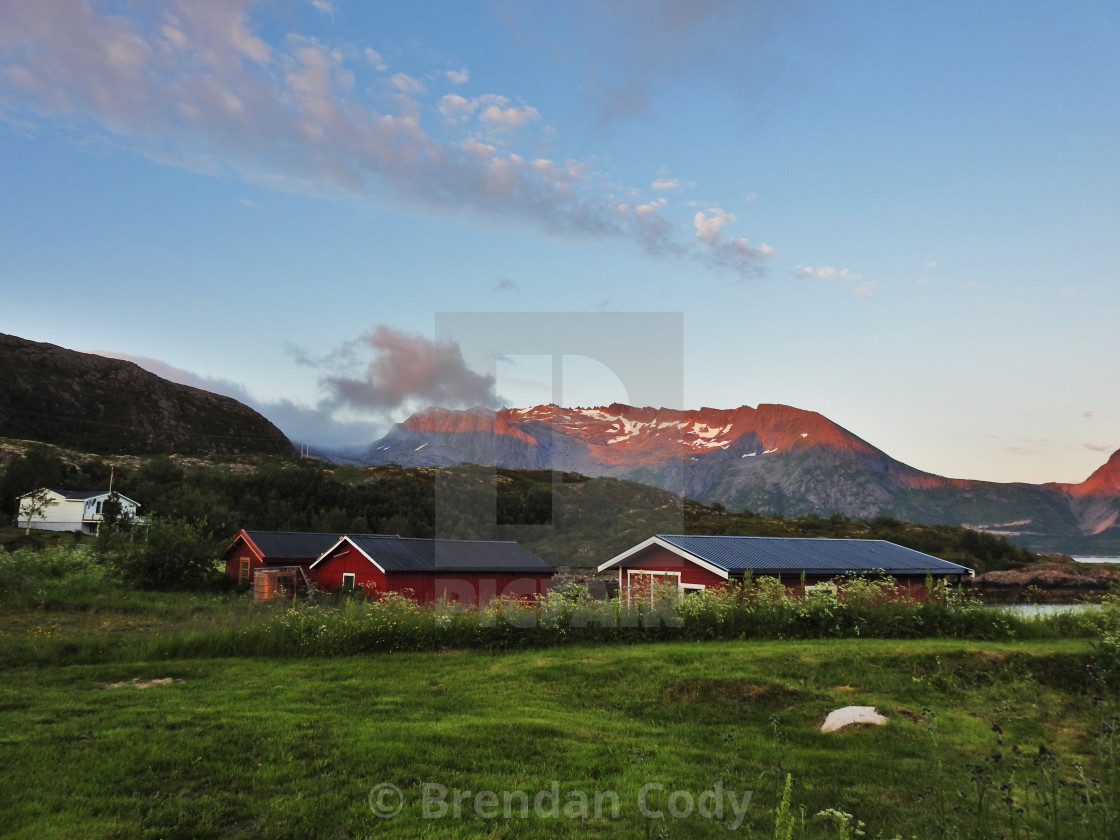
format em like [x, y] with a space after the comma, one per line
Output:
[620, 433]
[1105, 481]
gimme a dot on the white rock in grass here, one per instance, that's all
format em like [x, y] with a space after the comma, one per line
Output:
[851, 714]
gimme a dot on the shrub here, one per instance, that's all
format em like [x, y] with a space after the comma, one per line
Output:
[51, 577]
[168, 554]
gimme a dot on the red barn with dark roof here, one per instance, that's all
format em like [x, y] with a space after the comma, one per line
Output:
[252, 550]
[692, 562]
[471, 572]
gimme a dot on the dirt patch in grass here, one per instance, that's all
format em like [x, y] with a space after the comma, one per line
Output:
[709, 692]
[136, 682]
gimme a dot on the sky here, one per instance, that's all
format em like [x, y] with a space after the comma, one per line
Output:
[904, 216]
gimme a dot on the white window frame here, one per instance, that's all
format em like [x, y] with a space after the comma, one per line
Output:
[349, 580]
[652, 573]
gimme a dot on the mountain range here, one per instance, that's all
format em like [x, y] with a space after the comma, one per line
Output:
[769, 459]
[773, 458]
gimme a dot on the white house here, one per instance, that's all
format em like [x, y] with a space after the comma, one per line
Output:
[69, 510]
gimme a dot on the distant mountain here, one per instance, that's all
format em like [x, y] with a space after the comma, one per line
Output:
[1096, 501]
[107, 406]
[773, 458]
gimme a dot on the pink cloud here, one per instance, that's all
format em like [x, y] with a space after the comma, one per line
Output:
[195, 84]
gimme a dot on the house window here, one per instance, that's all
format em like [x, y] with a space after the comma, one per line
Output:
[648, 585]
[349, 579]
[244, 577]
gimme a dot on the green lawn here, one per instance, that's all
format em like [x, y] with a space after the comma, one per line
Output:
[237, 747]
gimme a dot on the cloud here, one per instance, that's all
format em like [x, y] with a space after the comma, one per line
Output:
[1100, 447]
[312, 424]
[505, 285]
[363, 395]
[666, 184]
[709, 223]
[374, 59]
[457, 77]
[497, 115]
[408, 371]
[196, 85]
[715, 248]
[406, 84]
[494, 111]
[826, 272]
[455, 108]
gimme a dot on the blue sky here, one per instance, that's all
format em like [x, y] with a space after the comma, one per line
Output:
[903, 216]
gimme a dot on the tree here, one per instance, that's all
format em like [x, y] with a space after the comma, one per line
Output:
[38, 467]
[115, 527]
[34, 505]
[114, 514]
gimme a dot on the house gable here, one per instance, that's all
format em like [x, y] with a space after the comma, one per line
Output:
[644, 552]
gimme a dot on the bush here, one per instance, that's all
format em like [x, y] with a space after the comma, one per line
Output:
[168, 555]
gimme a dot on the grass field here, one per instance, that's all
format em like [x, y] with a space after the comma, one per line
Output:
[643, 740]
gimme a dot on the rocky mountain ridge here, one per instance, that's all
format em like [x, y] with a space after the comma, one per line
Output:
[107, 406]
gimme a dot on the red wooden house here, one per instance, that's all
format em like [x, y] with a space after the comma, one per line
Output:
[252, 550]
[470, 572]
[694, 562]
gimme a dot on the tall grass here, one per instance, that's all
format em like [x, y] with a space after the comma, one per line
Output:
[759, 610]
[53, 577]
[324, 625]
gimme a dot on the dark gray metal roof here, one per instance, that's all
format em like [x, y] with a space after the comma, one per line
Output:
[407, 554]
[291, 545]
[79, 495]
[795, 555]
[83, 495]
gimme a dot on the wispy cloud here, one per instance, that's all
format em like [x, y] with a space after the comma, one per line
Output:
[828, 272]
[310, 423]
[368, 383]
[198, 85]
[734, 252]
[1100, 447]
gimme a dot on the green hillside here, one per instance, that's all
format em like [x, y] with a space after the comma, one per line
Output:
[576, 521]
